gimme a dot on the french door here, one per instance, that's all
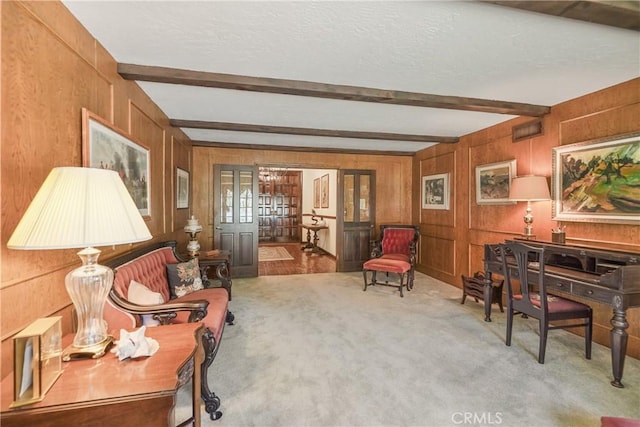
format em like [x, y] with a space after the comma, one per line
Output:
[356, 218]
[235, 216]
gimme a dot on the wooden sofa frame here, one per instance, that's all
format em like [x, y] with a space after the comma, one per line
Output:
[168, 312]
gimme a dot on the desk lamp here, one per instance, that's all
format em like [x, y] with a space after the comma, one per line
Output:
[529, 188]
[82, 208]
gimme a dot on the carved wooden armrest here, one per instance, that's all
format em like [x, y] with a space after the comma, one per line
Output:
[376, 249]
[164, 313]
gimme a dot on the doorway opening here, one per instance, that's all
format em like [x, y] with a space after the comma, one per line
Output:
[288, 199]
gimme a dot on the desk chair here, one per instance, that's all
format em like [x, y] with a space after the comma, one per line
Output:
[394, 253]
[539, 305]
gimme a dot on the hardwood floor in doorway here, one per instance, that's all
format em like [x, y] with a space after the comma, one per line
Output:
[303, 263]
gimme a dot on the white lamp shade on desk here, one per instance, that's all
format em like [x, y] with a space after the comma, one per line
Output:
[529, 188]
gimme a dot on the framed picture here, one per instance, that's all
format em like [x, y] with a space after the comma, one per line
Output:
[493, 182]
[324, 191]
[597, 181]
[182, 189]
[107, 147]
[316, 193]
[435, 191]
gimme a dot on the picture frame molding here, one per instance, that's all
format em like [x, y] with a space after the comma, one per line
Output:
[504, 200]
[444, 205]
[558, 211]
[99, 137]
[182, 188]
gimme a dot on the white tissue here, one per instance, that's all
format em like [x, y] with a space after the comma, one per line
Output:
[135, 344]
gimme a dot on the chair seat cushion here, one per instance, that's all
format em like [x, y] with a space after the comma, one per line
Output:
[557, 304]
[216, 311]
[397, 257]
[387, 263]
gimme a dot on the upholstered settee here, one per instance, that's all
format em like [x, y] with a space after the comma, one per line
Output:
[148, 271]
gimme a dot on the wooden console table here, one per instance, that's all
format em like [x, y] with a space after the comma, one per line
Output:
[105, 391]
[315, 228]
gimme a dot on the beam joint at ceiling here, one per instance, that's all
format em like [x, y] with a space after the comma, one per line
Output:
[324, 90]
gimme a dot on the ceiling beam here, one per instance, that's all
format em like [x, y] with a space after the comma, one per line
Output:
[243, 127]
[240, 146]
[620, 14]
[324, 90]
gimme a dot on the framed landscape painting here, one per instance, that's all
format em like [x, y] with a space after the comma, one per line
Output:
[597, 181]
[435, 191]
[493, 182]
[107, 147]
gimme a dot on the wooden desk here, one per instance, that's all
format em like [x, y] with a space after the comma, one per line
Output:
[597, 274]
[105, 391]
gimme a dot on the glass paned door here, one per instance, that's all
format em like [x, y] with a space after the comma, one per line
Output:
[235, 217]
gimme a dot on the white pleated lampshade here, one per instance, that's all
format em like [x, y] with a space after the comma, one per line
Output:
[529, 188]
[80, 207]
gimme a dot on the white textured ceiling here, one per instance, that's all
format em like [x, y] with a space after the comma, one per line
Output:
[455, 48]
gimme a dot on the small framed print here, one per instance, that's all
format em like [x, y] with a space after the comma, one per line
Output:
[324, 191]
[37, 356]
[182, 189]
[493, 182]
[316, 193]
[435, 191]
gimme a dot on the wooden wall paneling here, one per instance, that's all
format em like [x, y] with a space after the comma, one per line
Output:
[615, 121]
[180, 158]
[150, 132]
[438, 256]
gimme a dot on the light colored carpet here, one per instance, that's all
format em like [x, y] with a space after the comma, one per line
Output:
[273, 253]
[315, 350]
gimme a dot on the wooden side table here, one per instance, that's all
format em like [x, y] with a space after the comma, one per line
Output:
[106, 391]
[221, 260]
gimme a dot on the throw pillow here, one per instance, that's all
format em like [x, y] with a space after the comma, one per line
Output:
[184, 278]
[140, 294]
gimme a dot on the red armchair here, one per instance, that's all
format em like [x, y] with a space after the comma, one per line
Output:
[395, 256]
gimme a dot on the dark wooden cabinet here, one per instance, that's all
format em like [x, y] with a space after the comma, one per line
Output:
[279, 204]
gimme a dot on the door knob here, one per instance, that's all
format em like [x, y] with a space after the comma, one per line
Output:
[218, 228]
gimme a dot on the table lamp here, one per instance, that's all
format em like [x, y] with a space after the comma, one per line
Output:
[529, 188]
[192, 229]
[82, 208]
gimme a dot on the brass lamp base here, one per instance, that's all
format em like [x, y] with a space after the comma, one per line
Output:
[95, 351]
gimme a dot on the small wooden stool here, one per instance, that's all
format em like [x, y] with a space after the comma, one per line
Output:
[474, 286]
